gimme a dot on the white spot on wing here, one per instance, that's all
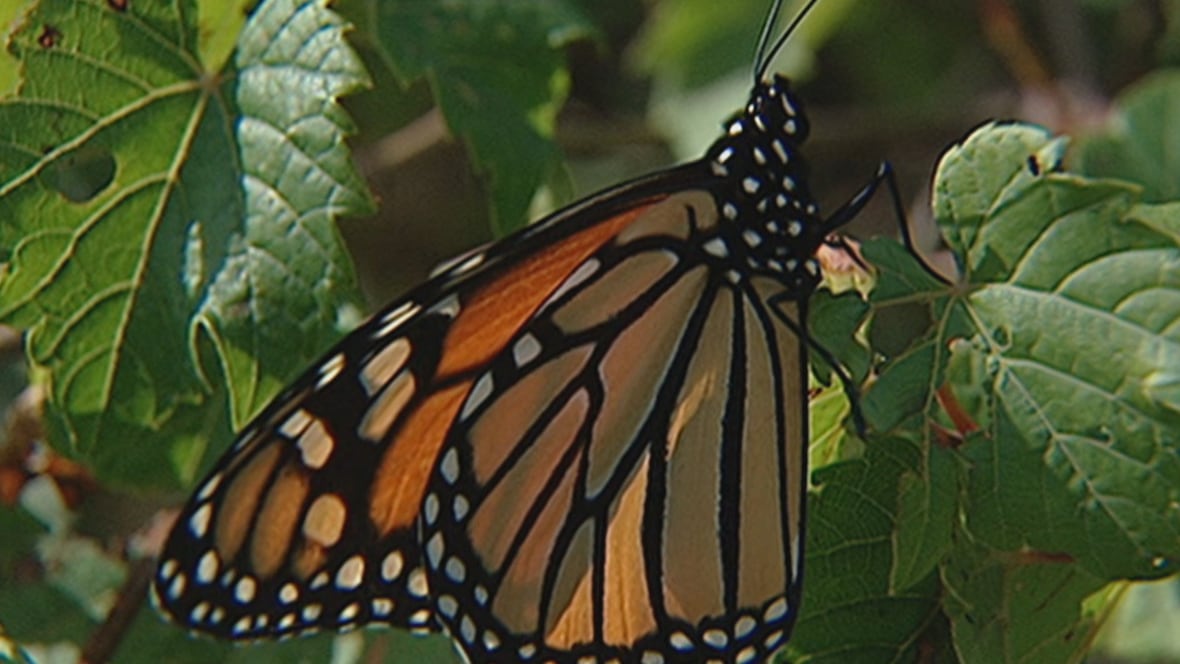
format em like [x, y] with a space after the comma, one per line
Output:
[176, 588]
[479, 393]
[351, 573]
[315, 445]
[576, 278]
[467, 629]
[382, 606]
[744, 626]
[244, 591]
[349, 613]
[380, 369]
[417, 584]
[526, 349]
[776, 610]
[394, 319]
[295, 423]
[207, 567]
[209, 487]
[311, 612]
[456, 570]
[420, 617]
[434, 550]
[330, 369]
[448, 306]
[459, 507]
[385, 408]
[449, 467]
[430, 509]
[198, 523]
[716, 638]
[391, 566]
[716, 247]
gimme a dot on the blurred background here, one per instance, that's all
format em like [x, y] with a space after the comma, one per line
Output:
[896, 80]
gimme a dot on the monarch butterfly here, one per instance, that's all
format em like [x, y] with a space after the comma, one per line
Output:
[585, 442]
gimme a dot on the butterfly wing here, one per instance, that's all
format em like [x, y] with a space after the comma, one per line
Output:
[310, 520]
[626, 477]
[588, 441]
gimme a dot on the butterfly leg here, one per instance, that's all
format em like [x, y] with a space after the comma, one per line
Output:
[848, 211]
[845, 213]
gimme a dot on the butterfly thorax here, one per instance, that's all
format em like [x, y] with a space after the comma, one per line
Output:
[772, 222]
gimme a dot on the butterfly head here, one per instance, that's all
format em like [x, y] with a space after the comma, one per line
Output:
[762, 186]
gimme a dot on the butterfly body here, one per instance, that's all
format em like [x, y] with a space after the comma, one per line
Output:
[584, 443]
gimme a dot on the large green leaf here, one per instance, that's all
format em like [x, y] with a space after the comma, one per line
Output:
[1072, 322]
[498, 75]
[145, 198]
[1063, 322]
[851, 517]
[1059, 340]
[1018, 609]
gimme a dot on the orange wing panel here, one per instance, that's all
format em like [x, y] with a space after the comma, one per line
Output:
[491, 315]
[494, 312]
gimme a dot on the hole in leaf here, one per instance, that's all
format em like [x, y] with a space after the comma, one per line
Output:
[49, 37]
[81, 175]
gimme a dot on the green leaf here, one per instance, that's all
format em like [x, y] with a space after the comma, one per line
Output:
[975, 184]
[1017, 608]
[907, 379]
[852, 514]
[1071, 290]
[289, 270]
[926, 511]
[1142, 139]
[498, 75]
[145, 198]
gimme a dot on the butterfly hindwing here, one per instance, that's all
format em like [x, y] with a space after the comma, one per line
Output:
[623, 478]
[281, 538]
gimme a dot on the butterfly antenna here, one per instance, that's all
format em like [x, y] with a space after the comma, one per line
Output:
[764, 56]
